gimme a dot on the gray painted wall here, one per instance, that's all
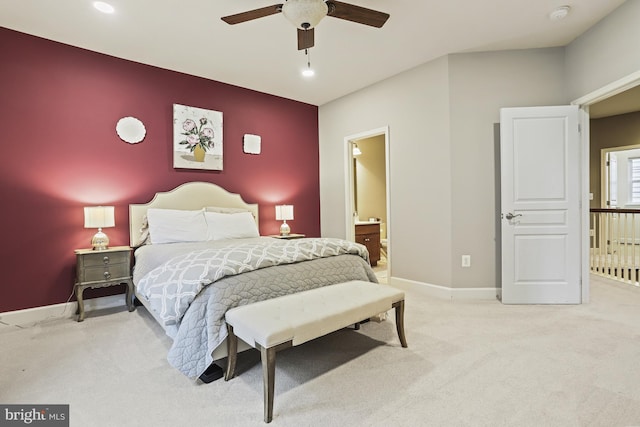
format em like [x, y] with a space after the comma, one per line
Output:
[481, 84]
[442, 149]
[415, 106]
[609, 51]
[443, 119]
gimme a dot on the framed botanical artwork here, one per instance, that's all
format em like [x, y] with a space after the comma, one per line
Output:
[197, 138]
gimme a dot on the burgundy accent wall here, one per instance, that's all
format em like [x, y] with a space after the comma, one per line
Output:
[59, 106]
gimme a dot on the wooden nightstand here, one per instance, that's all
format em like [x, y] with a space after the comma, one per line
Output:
[289, 236]
[99, 269]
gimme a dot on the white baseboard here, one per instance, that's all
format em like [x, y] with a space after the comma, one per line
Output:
[448, 293]
[32, 316]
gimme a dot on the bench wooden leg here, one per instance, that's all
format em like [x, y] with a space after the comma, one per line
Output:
[232, 353]
[399, 306]
[268, 358]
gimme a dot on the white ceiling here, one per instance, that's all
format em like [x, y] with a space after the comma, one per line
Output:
[188, 36]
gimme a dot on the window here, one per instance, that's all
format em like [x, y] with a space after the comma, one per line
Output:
[634, 180]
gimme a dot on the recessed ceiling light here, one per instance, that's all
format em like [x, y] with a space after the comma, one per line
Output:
[559, 13]
[103, 7]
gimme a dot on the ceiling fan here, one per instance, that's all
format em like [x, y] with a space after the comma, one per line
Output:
[306, 14]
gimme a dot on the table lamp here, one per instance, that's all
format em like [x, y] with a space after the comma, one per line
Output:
[99, 217]
[284, 213]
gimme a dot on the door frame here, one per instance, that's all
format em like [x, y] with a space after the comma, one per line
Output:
[630, 81]
[349, 192]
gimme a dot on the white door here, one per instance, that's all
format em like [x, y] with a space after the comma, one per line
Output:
[540, 186]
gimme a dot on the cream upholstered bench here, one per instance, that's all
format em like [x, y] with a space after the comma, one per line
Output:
[286, 321]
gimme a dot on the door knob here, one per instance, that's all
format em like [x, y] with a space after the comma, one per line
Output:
[510, 216]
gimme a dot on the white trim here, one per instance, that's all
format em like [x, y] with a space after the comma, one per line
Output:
[348, 163]
[348, 193]
[607, 91]
[585, 143]
[349, 184]
[442, 292]
[32, 316]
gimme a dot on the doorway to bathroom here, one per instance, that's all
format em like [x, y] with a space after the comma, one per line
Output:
[368, 196]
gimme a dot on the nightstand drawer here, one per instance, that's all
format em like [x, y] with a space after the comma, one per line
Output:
[114, 271]
[104, 258]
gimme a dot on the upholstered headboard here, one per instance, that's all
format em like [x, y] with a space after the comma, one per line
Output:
[189, 196]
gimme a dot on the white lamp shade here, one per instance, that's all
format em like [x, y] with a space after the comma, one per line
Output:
[284, 212]
[99, 217]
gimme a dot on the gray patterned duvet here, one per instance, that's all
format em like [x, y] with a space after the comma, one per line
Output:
[190, 286]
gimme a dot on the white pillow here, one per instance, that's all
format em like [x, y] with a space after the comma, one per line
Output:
[222, 226]
[171, 226]
[224, 210]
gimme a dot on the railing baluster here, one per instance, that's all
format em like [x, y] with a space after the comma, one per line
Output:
[619, 225]
[609, 245]
[601, 241]
[625, 249]
[629, 246]
[622, 245]
[632, 268]
[621, 230]
[615, 220]
[592, 241]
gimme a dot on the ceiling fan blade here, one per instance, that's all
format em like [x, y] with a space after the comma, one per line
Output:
[353, 13]
[252, 14]
[305, 38]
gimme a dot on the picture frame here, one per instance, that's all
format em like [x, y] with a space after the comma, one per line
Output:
[197, 138]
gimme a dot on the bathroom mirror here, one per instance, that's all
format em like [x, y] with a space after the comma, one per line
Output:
[130, 130]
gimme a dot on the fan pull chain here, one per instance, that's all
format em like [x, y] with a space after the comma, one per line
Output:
[308, 72]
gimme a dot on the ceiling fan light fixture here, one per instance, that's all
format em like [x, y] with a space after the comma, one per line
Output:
[304, 14]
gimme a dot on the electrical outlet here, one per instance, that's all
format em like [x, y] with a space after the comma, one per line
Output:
[466, 260]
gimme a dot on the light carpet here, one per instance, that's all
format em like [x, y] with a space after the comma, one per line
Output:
[469, 363]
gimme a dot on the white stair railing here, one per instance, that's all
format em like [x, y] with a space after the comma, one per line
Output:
[615, 244]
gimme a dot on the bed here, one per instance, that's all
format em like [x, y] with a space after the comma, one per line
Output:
[187, 275]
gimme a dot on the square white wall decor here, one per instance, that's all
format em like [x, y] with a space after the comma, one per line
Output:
[251, 144]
